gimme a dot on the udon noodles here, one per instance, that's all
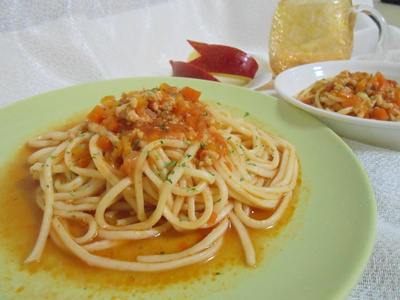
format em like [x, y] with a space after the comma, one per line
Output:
[152, 161]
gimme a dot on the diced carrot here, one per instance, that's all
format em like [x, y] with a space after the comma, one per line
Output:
[211, 147]
[380, 114]
[141, 102]
[97, 114]
[179, 99]
[109, 101]
[84, 161]
[383, 83]
[190, 94]
[164, 97]
[361, 85]
[108, 98]
[155, 134]
[351, 101]
[126, 145]
[345, 93]
[80, 150]
[228, 164]
[164, 86]
[105, 144]
[191, 121]
[110, 122]
[337, 106]
[221, 143]
[182, 108]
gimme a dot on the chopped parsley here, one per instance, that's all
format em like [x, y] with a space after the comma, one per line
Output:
[168, 164]
[135, 145]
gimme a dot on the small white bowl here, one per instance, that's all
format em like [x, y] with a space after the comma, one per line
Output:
[377, 133]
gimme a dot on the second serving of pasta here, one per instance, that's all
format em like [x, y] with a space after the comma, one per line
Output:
[358, 94]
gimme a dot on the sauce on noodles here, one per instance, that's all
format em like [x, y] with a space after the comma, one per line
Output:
[66, 270]
[357, 94]
[154, 166]
[164, 113]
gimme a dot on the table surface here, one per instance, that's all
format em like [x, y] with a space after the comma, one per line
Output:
[35, 58]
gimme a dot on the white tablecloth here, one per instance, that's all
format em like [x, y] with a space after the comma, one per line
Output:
[49, 44]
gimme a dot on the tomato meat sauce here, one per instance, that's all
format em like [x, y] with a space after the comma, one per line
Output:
[165, 112]
[360, 94]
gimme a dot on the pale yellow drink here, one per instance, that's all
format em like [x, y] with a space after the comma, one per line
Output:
[310, 31]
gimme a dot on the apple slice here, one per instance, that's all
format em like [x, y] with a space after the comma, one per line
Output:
[183, 69]
[222, 59]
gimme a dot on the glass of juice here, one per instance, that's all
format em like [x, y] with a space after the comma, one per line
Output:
[306, 31]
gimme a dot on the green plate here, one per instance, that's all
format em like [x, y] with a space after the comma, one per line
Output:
[320, 254]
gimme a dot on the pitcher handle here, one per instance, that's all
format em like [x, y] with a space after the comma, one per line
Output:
[383, 43]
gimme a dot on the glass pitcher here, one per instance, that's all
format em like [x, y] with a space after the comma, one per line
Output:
[306, 31]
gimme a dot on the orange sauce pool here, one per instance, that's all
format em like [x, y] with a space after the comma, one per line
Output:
[20, 223]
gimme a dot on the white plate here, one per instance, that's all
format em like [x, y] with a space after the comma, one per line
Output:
[263, 75]
[378, 133]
